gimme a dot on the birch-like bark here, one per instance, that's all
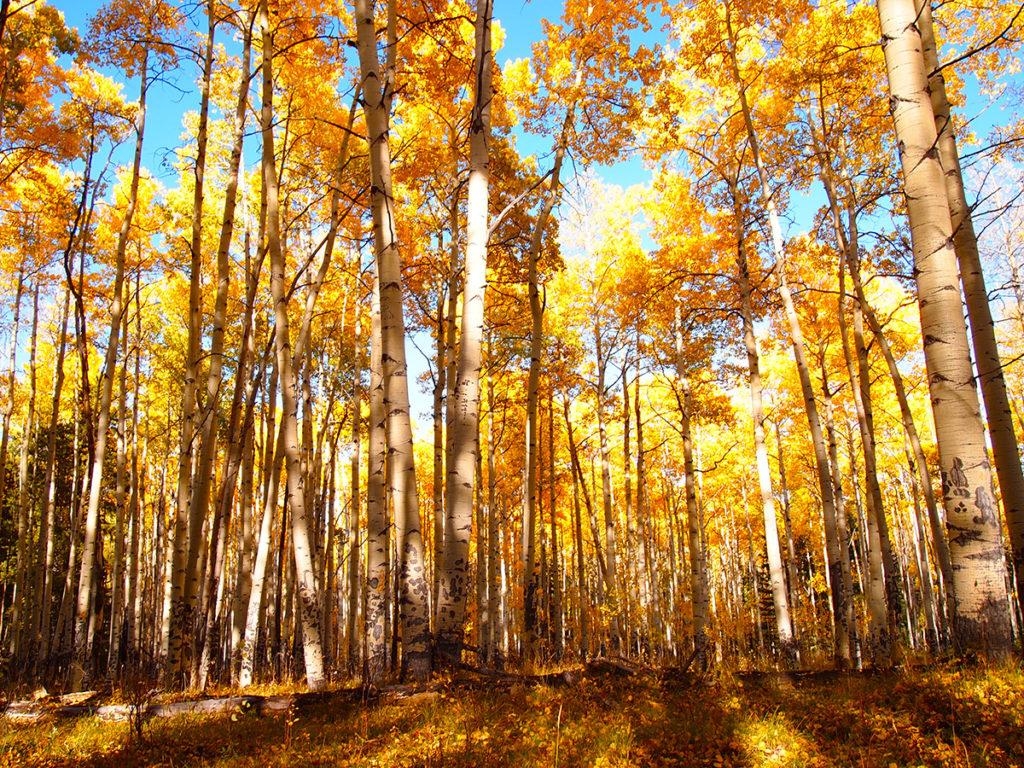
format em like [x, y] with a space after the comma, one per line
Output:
[981, 621]
[531, 578]
[21, 634]
[188, 522]
[703, 646]
[776, 572]
[607, 500]
[118, 605]
[44, 580]
[92, 539]
[999, 415]
[439, 452]
[932, 612]
[881, 624]
[209, 414]
[792, 574]
[792, 318]
[253, 614]
[557, 567]
[136, 500]
[581, 573]
[377, 556]
[239, 459]
[305, 569]
[846, 234]
[415, 619]
[448, 370]
[465, 456]
[355, 538]
[493, 624]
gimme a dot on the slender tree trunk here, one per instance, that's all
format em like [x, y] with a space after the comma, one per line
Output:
[92, 540]
[118, 605]
[355, 500]
[608, 503]
[531, 574]
[244, 433]
[302, 547]
[627, 575]
[47, 538]
[377, 518]
[188, 521]
[551, 196]
[448, 365]
[253, 614]
[702, 643]
[557, 565]
[838, 549]
[439, 452]
[240, 438]
[209, 414]
[884, 593]
[136, 500]
[465, 458]
[12, 380]
[494, 593]
[21, 623]
[792, 318]
[981, 621]
[847, 236]
[780, 601]
[480, 564]
[931, 607]
[792, 574]
[416, 642]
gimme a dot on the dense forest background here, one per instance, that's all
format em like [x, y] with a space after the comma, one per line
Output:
[726, 416]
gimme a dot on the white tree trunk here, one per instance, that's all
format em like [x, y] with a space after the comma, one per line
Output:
[92, 540]
[415, 620]
[465, 457]
[981, 622]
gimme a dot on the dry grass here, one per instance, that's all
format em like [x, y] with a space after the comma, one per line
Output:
[930, 718]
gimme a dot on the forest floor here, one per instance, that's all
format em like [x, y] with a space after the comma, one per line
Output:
[932, 717]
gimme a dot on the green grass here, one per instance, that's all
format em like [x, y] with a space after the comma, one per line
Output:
[931, 718]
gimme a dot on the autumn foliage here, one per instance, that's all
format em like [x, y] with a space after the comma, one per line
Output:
[334, 349]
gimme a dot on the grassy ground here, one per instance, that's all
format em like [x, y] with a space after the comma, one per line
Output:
[932, 718]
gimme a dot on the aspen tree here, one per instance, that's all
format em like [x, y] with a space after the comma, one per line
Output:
[981, 623]
[243, 398]
[881, 609]
[302, 545]
[780, 600]
[12, 377]
[378, 85]
[208, 414]
[698, 555]
[92, 540]
[21, 634]
[378, 566]
[1005, 450]
[188, 518]
[552, 193]
[44, 579]
[465, 456]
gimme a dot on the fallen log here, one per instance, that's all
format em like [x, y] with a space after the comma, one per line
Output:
[235, 705]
